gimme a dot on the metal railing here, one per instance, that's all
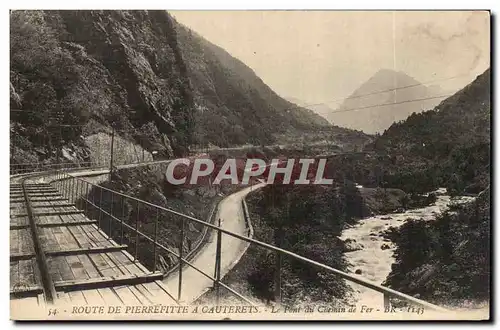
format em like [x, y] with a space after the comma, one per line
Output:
[38, 167]
[136, 223]
[24, 168]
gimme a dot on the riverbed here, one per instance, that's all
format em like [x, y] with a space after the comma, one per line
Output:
[375, 257]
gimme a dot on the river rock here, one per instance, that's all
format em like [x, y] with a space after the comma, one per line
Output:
[351, 245]
[358, 271]
[385, 247]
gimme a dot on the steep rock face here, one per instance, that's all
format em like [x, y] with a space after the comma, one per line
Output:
[233, 104]
[143, 74]
[114, 68]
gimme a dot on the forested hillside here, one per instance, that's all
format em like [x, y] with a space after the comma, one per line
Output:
[234, 105]
[97, 69]
[158, 84]
[446, 261]
[447, 146]
[306, 220]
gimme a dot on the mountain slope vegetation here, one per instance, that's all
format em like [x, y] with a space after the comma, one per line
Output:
[447, 146]
[446, 261]
[231, 99]
[95, 70]
[158, 84]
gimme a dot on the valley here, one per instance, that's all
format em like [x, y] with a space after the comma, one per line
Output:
[405, 203]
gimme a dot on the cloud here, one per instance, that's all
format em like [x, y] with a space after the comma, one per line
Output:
[468, 35]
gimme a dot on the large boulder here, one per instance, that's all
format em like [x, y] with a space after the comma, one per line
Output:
[351, 245]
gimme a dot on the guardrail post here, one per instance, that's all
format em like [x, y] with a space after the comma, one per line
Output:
[111, 160]
[121, 222]
[80, 191]
[137, 233]
[63, 186]
[77, 191]
[110, 217]
[277, 280]
[181, 241]
[87, 199]
[387, 302]
[93, 199]
[60, 184]
[73, 190]
[218, 264]
[100, 208]
[155, 239]
[68, 188]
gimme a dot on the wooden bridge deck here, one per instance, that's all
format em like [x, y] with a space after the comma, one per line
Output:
[84, 264]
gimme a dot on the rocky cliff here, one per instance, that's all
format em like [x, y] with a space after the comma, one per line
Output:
[74, 74]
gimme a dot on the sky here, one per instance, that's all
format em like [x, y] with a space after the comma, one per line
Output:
[323, 56]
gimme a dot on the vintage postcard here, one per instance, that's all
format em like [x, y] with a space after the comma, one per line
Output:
[250, 165]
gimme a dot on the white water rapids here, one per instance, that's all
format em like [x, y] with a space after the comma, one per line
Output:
[374, 262]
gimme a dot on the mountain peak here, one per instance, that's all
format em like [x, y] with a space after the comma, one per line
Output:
[374, 100]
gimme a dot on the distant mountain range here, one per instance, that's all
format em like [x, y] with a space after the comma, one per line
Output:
[142, 73]
[233, 105]
[320, 109]
[369, 107]
[449, 145]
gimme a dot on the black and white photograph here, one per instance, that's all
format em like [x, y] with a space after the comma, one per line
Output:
[291, 165]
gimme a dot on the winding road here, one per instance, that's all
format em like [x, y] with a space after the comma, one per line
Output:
[230, 211]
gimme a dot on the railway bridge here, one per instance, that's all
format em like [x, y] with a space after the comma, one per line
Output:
[75, 242]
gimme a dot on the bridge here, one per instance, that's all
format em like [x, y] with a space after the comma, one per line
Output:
[74, 241]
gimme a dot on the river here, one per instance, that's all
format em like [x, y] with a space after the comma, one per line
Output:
[371, 260]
